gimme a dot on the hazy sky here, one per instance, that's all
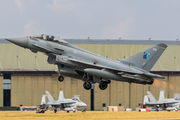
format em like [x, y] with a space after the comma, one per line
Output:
[97, 19]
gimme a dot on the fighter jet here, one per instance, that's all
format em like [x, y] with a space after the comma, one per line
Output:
[62, 103]
[92, 68]
[162, 103]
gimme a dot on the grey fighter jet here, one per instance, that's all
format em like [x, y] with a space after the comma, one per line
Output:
[162, 103]
[62, 103]
[92, 68]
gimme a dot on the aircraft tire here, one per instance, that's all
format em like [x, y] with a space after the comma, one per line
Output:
[87, 85]
[67, 111]
[103, 85]
[55, 111]
[61, 78]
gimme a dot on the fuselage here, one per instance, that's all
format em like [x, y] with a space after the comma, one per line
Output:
[63, 51]
[73, 59]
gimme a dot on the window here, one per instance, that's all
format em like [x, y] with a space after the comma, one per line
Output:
[6, 84]
[7, 81]
[7, 89]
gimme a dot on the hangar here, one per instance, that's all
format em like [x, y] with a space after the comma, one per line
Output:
[25, 76]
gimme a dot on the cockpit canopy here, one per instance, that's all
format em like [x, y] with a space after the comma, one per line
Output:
[50, 38]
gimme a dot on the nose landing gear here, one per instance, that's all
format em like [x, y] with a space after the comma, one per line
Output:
[87, 85]
[61, 78]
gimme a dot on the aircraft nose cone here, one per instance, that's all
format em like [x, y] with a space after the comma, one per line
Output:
[83, 104]
[23, 42]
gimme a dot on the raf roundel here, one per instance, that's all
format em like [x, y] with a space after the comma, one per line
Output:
[75, 52]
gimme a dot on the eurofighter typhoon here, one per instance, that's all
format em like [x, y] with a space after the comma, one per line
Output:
[92, 68]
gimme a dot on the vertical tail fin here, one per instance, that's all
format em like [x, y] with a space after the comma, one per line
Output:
[161, 95]
[151, 97]
[145, 99]
[43, 100]
[176, 96]
[61, 96]
[147, 58]
[50, 98]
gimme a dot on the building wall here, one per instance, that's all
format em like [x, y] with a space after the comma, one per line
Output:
[27, 89]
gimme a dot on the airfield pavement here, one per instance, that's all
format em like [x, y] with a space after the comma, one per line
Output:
[88, 115]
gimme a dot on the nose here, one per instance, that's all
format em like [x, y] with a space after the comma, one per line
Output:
[23, 41]
[83, 104]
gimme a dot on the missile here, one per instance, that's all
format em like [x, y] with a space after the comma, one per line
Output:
[100, 73]
[68, 109]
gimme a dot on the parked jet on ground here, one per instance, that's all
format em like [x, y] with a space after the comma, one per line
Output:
[62, 103]
[91, 68]
[162, 103]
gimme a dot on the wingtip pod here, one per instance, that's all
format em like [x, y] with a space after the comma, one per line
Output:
[162, 45]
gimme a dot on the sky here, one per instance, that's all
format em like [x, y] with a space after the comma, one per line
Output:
[97, 19]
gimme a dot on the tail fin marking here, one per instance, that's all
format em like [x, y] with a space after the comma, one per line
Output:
[147, 58]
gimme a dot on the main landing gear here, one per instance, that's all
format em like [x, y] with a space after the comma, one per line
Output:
[55, 110]
[102, 85]
[87, 85]
[61, 78]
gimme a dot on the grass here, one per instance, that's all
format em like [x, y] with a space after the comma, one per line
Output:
[89, 115]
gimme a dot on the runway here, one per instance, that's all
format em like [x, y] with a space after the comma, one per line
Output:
[88, 115]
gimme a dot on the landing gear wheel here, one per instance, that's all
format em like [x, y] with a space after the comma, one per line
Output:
[60, 78]
[151, 82]
[102, 85]
[67, 111]
[55, 110]
[87, 85]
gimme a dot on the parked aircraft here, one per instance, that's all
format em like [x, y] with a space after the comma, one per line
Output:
[62, 103]
[91, 68]
[162, 103]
